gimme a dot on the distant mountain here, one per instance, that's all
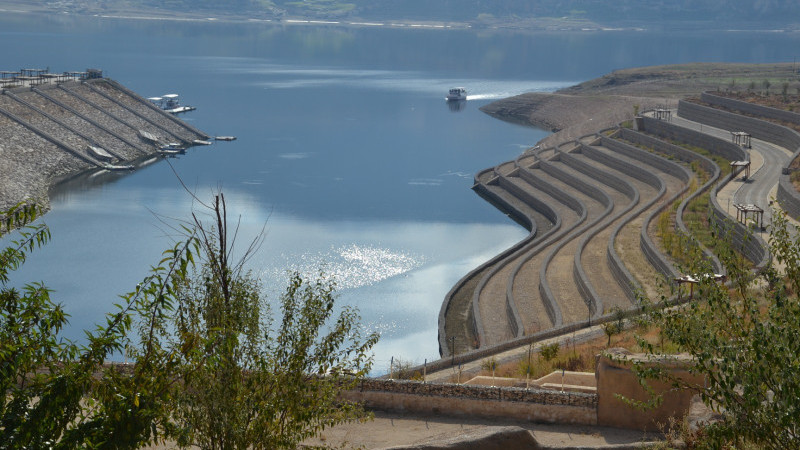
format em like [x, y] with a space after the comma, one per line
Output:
[717, 14]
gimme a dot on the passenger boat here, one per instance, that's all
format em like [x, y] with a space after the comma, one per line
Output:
[456, 93]
[170, 104]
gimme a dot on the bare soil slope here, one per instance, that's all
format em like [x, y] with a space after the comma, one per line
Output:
[606, 101]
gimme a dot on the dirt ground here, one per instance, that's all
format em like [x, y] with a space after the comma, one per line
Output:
[606, 101]
[398, 430]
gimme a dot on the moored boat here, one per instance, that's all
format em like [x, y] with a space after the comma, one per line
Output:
[118, 167]
[172, 148]
[170, 104]
[99, 153]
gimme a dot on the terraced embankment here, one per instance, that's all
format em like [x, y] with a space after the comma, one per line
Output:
[575, 272]
[45, 132]
[601, 196]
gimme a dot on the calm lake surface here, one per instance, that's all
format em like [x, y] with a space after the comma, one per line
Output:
[346, 150]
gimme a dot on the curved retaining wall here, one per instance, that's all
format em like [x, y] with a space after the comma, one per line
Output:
[751, 245]
[787, 195]
[618, 269]
[561, 196]
[716, 146]
[520, 217]
[553, 311]
[649, 248]
[587, 293]
[503, 258]
[580, 273]
[751, 108]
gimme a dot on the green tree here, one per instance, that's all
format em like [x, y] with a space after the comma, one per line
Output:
[247, 383]
[208, 368]
[549, 351]
[744, 340]
[615, 326]
[58, 394]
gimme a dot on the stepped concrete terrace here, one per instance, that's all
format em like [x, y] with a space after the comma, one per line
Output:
[529, 287]
[490, 297]
[457, 331]
[625, 238]
[560, 285]
[592, 268]
[636, 162]
[575, 273]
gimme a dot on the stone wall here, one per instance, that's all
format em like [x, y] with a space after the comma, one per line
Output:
[537, 405]
[593, 399]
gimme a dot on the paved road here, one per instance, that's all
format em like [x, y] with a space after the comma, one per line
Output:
[766, 162]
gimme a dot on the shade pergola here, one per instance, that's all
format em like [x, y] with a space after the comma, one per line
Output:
[691, 280]
[741, 138]
[662, 114]
[743, 209]
[736, 166]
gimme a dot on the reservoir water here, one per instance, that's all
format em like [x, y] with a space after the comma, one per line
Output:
[346, 149]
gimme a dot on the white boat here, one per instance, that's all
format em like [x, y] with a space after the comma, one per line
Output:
[456, 93]
[99, 153]
[173, 106]
[170, 104]
[172, 147]
[117, 167]
[225, 138]
[201, 142]
[180, 109]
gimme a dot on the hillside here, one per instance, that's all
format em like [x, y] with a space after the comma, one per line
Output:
[608, 100]
[542, 14]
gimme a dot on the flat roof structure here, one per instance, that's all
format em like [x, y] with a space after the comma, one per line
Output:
[743, 209]
[691, 280]
[662, 114]
[741, 164]
[741, 138]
